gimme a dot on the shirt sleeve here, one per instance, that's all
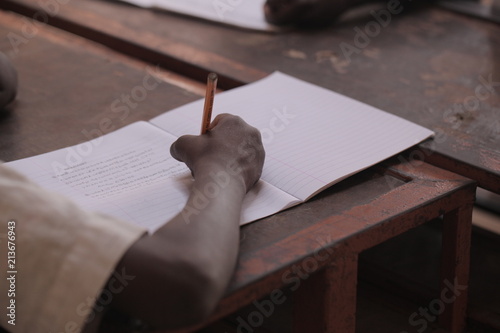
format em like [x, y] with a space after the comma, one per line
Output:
[61, 258]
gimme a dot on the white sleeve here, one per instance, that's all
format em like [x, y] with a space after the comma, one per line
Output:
[63, 257]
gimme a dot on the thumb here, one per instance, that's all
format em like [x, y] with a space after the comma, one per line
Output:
[184, 147]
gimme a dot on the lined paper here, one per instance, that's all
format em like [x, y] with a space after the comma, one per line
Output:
[129, 174]
[313, 137]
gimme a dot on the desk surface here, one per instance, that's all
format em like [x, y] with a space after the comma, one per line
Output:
[428, 66]
[67, 87]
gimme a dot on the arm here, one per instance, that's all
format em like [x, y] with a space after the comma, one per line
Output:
[181, 271]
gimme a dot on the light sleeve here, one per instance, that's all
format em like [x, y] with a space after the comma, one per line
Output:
[63, 258]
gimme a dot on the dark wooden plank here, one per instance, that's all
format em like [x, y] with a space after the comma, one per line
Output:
[431, 66]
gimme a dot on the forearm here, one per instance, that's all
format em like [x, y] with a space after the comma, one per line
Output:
[208, 227]
[183, 269]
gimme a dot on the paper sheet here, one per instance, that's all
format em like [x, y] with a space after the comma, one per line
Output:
[313, 137]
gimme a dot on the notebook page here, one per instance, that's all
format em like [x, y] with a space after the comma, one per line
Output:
[129, 174]
[264, 200]
[313, 137]
[240, 13]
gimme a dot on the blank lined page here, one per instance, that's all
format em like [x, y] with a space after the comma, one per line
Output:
[313, 137]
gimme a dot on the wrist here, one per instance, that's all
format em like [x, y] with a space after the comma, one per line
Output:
[215, 177]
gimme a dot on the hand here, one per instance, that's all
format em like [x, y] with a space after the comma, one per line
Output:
[230, 146]
[306, 12]
[8, 81]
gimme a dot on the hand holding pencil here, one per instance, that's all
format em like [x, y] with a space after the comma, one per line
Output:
[233, 147]
[209, 102]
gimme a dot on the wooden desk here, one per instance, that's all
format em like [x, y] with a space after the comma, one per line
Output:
[316, 245]
[427, 66]
[67, 87]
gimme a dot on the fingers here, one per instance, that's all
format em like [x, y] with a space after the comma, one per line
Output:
[216, 121]
[226, 120]
[189, 145]
[241, 143]
[234, 128]
[181, 149]
[230, 141]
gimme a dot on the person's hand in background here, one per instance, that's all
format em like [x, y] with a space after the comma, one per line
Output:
[314, 13]
[307, 12]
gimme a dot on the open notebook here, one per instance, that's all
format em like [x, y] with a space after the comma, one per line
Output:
[248, 14]
[313, 138]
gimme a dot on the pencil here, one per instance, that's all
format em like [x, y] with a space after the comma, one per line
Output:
[209, 102]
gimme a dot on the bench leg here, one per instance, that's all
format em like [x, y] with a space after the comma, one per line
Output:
[455, 259]
[326, 301]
